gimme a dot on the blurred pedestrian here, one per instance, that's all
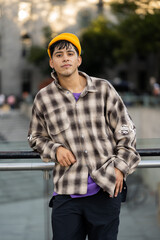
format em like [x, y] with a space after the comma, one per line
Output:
[80, 123]
[2, 99]
[11, 100]
[27, 97]
[155, 87]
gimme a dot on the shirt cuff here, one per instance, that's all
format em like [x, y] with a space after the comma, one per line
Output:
[122, 166]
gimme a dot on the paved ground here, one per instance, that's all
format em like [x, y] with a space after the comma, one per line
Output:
[24, 196]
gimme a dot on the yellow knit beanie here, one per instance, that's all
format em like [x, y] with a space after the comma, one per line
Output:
[72, 38]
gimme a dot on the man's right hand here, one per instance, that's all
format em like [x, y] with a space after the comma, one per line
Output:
[65, 157]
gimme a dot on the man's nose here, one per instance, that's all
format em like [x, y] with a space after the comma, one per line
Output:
[65, 57]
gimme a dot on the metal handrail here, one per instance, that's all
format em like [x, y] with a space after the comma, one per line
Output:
[19, 155]
[32, 154]
[26, 166]
[50, 165]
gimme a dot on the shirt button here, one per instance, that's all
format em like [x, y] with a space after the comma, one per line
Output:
[67, 92]
[85, 151]
[82, 136]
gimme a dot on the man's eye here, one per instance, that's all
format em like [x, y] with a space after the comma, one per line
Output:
[59, 55]
[70, 54]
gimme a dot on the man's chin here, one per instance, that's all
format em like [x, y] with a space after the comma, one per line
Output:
[67, 73]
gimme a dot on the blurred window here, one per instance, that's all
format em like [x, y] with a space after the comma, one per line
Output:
[0, 45]
[0, 81]
[142, 80]
[123, 74]
[26, 80]
[1, 11]
[26, 44]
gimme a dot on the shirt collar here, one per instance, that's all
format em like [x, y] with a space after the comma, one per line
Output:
[90, 87]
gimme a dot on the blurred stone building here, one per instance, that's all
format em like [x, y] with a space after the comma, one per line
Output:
[21, 24]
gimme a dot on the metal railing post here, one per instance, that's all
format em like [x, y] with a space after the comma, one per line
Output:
[46, 176]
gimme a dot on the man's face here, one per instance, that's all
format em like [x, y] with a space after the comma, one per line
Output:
[65, 61]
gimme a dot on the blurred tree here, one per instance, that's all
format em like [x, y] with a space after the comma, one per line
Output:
[139, 35]
[38, 54]
[126, 7]
[104, 44]
[48, 34]
[84, 17]
[100, 5]
[98, 43]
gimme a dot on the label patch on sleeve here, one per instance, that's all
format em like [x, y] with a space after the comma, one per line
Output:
[125, 129]
[30, 137]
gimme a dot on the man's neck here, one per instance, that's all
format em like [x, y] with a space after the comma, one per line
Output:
[74, 83]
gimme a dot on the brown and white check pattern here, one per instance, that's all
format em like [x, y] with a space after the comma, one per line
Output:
[96, 128]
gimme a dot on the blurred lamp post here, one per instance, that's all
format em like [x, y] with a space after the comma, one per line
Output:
[100, 6]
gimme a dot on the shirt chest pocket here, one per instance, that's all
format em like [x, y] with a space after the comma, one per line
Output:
[57, 121]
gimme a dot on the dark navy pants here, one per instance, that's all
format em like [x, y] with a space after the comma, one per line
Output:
[95, 216]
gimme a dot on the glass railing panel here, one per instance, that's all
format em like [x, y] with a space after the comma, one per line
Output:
[148, 143]
[24, 198]
[140, 217]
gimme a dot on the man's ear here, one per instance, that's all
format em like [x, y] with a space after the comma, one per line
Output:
[79, 60]
[51, 63]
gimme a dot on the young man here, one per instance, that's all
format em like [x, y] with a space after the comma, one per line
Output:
[81, 124]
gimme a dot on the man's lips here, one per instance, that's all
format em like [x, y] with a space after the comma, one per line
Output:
[66, 65]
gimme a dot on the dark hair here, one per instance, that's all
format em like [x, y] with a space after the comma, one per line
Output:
[61, 44]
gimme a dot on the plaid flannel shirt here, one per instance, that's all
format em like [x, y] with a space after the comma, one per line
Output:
[96, 129]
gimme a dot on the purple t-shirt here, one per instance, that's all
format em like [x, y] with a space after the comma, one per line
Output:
[92, 187]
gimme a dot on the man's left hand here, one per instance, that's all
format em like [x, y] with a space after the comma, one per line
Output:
[119, 181]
